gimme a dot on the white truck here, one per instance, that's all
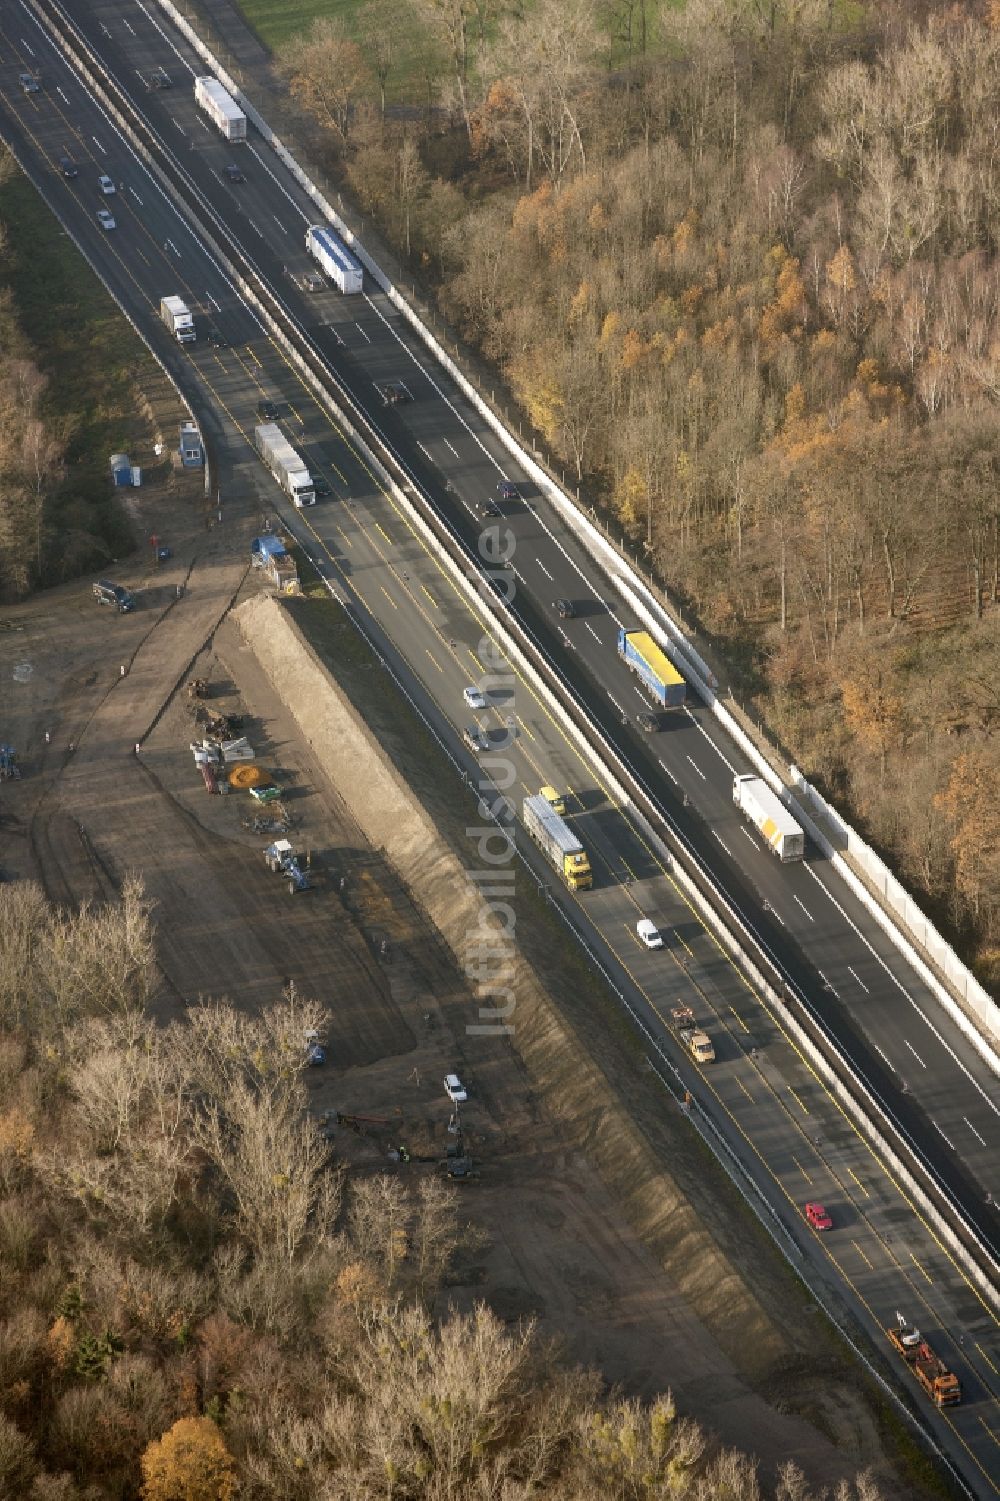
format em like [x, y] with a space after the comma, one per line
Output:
[330, 252]
[285, 464]
[177, 316]
[221, 108]
[769, 816]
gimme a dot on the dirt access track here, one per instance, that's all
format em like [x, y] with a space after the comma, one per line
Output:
[637, 1284]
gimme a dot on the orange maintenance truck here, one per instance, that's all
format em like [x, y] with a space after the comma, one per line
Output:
[941, 1385]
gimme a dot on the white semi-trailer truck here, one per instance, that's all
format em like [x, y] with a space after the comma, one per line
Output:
[221, 108]
[177, 316]
[285, 464]
[330, 252]
[769, 817]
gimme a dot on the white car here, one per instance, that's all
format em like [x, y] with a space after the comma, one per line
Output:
[649, 934]
[455, 1089]
[475, 698]
[105, 219]
[106, 185]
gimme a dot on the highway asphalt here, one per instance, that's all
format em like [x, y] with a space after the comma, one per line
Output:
[777, 1116]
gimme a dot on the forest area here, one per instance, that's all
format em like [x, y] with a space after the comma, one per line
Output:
[67, 392]
[181, 1322]
[736, 261]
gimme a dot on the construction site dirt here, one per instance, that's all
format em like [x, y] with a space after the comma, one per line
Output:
[108, 785]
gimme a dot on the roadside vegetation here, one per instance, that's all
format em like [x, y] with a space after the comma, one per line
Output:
[68, 370]
[738, 266]
[196, 1301]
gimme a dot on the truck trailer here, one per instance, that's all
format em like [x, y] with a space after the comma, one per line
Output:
[558, 843]
[769, 816]
[177, 316]
[285, 464]
[653, 668]
[270, 555]
[221, 108]
[941, 1385]
[329, 250]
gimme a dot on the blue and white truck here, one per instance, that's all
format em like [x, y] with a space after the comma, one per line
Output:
[653, 668]
[330, 252]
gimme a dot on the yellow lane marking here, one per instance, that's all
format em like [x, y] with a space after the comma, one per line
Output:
[798, 1101]
[380, 528]
[920, 1269]
[859, 1183]
[987, 1358]
[861, 1252]
[802, 1170]
[734, 1011]
[436, 663]
[389, 597]
[430, 596]
[745, 1090]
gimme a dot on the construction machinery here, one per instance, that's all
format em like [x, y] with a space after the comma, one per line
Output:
[360, 1124]
[941, 1385]
[268, 794]
[280, 857]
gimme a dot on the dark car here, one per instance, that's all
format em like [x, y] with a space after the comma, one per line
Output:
[321, 488]
[508, 491]
[215, 339]
[267, 411]
[107, 593]
[68, 167]
[647, 722]
[233, 174]
[395, 393]
[158, 79]
[475, 740]
[565, 609]
[29, 83]
[487, 508]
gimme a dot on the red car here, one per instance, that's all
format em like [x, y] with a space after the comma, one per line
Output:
[818, 1217]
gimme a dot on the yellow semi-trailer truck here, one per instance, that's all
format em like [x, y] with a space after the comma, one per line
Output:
[653, 668]
[558, 843]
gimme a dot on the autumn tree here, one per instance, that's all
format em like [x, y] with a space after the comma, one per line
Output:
[189, 1463]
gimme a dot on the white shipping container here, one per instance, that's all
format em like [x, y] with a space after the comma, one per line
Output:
[221, 108]
[343, 269]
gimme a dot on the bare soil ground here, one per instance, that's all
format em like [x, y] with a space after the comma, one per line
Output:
[88, 808]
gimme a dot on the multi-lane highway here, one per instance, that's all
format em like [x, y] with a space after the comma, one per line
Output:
[790, 1135]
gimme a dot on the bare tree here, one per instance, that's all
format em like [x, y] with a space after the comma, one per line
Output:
[377, 22]
[327, 72]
